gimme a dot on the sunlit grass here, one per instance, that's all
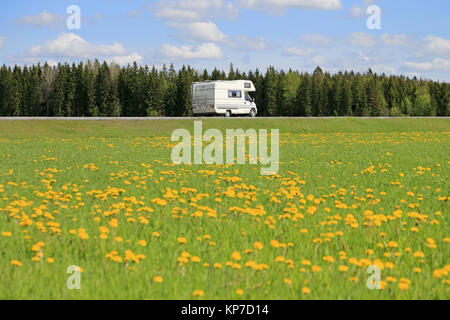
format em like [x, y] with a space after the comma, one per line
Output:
[105, 196]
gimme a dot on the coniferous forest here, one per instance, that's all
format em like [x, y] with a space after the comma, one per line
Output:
[108, 90]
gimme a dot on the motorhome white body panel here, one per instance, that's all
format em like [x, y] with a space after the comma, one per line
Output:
[220, 97]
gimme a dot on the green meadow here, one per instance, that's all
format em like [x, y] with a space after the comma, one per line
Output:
[105, 197]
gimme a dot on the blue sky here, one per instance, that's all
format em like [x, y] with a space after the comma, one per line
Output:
[414, 38]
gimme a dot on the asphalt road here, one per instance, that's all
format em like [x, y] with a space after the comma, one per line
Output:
[182, 118]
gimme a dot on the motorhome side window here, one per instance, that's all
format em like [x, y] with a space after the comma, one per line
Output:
[234, 94]
[247, 85]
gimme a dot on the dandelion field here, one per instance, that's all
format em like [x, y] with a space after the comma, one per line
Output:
[104, 196]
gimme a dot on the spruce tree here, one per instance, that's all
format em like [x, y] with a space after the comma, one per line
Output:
[303, 106]
[281, 104]
[59, 95]
[90, 99]
[205, 75]
[170, 96]
[443, 99]
[317, 97]
[231, 73]
[345, 99]
[269, 103]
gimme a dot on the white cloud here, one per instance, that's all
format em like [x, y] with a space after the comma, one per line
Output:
[249, 43]
[413, 74]
[209, 32]
[356, 12]
[125, 60]
[2, 42]
[245, 43]
[69, 45]
[381, 68]
[364, 57]
[192, 21]
[362, 40]
[435, 46]
[318, 61]
[318, 39]
[201, 31]
[43, 19]
[200, 10]
[287, 4]
[206, 50]
[369, 2]
[294, 51]
[231, 10]
[435, 65]
[396, 40]
[72, 45]
[177, 14]
[192, 10]
[52, 63]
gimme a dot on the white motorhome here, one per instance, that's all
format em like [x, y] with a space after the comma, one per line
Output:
[223, 97]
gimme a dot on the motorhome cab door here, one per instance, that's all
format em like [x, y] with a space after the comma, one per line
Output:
[240, 102]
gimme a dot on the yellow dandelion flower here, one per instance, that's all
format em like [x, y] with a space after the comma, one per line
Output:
[274, 243]
[316, 269]
[306, 263]
[236, 256]
[403, 285]
[198, 293]
[392, 244]
[389, 265]
[391, 279]
[258, 245]
[113, 223]
[343, 268]
[142, 243]
[16, 263]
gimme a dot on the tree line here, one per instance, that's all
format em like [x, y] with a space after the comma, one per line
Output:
[95, 89]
